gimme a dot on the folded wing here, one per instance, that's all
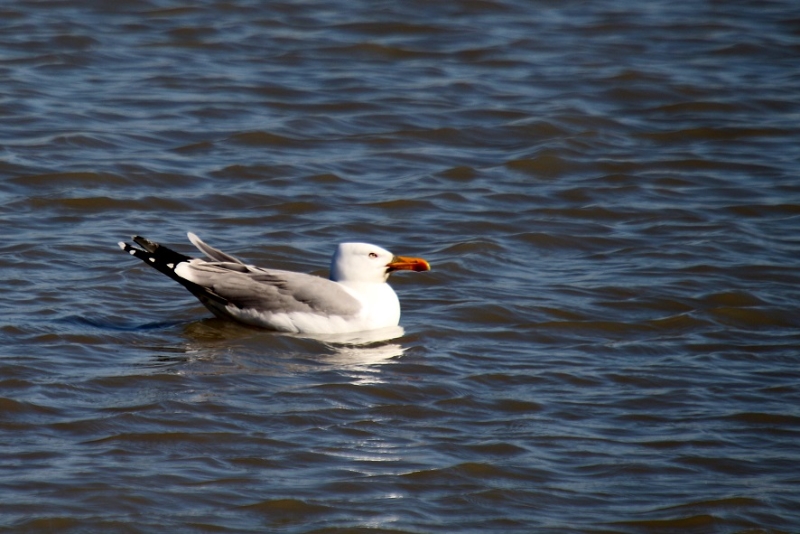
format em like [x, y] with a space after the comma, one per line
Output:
[271, 291]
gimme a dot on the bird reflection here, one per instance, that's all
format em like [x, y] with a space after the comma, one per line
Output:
[217, 340]
[362, 349]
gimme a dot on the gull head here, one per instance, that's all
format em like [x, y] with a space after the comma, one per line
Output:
[365, 263]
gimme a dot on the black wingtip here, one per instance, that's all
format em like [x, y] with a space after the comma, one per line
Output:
[165, 260]
[162, 258]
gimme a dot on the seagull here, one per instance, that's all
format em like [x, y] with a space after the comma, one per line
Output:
[356, 298]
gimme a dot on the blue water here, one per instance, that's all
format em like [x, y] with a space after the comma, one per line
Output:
[607, 193]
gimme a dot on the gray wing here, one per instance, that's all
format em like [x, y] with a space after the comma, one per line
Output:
[211, 252]
[273, 291]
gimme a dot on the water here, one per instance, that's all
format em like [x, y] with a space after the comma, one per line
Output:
[608, 195]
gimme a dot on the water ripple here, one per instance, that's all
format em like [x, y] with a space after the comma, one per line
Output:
[607, 193]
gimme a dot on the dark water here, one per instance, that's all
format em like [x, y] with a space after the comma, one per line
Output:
[608, 193]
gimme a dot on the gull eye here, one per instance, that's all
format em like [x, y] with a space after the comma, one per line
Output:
[373, 255]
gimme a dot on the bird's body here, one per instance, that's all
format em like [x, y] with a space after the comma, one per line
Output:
[356, 298]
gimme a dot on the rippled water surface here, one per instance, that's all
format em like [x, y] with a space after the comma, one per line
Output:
[608, 193]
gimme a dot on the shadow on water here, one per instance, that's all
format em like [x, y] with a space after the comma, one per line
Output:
[119, 324]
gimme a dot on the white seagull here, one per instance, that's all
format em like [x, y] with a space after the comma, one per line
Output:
[355, 299]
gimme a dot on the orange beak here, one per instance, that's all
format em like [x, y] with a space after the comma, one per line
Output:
[402, 263]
